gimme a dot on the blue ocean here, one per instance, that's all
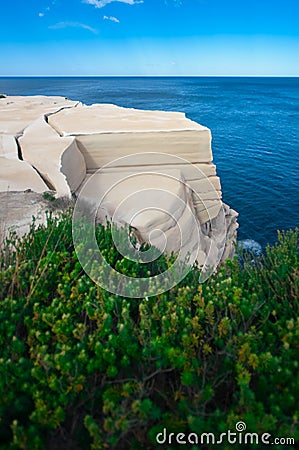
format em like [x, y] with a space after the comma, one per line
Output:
[255, 128]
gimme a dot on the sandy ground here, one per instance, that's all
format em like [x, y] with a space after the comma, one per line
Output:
[18, 208]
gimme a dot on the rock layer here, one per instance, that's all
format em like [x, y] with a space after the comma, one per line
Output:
[17, 112]
[106, 134]
[15, 174]
[60, 163]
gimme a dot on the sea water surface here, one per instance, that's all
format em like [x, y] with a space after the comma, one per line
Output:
[254, 123]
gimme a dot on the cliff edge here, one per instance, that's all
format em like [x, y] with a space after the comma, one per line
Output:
[151, 170]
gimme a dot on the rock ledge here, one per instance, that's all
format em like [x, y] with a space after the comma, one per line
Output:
[57, 144]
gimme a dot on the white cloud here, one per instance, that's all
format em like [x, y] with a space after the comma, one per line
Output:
[61, 25]
[113, 19]
[102, 3]
[46, 10]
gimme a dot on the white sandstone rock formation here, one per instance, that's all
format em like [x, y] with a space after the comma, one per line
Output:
[132, 131]
[15, 174]
[49, 163]
[147, 201]
[57, 159]
[106, 133]
[17, 112]
[169, 182]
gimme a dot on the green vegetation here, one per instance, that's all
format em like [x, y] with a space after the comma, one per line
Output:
[2, 96]
[84, 369]
[57, 203]
[49, 196]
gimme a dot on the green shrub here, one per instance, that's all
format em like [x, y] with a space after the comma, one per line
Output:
[84, 369]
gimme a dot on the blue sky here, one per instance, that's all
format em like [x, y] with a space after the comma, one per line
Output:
[149, 37]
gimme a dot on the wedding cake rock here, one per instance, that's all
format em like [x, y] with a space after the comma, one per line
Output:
[52, 143]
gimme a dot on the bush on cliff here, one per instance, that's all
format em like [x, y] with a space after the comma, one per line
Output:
[84, 369]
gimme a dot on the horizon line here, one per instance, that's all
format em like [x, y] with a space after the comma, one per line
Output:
[149, 76]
